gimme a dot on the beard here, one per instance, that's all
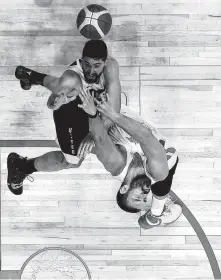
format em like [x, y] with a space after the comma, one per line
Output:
[142, 182]
[91, 79]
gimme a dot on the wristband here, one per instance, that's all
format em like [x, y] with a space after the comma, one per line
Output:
[93, 116]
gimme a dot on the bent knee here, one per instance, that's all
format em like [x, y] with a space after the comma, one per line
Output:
[65, 164]
[60, 159]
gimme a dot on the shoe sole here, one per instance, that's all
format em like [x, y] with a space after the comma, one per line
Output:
[10, 159]
[160, 225]
[173, 221]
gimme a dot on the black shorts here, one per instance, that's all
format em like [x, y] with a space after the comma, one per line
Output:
[71, 124]
[162, 188]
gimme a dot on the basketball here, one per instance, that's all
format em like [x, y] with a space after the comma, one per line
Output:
[94, 22]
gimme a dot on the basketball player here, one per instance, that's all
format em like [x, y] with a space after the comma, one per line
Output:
[95, 72]
[141, 159]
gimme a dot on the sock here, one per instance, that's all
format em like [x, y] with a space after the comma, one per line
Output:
[30, 167]
[37, 78]
[157, 206]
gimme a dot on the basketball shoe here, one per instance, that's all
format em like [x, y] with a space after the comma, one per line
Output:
[17, 173]
[28, 77]
[170, 214]
[23, 74]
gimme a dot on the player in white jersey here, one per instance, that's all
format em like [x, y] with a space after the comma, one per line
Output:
[138, 155]
[95, 72]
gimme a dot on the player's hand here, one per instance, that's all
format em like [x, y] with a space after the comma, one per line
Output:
[87, 102]
[86, 146]
[56, 100]
[106, 107]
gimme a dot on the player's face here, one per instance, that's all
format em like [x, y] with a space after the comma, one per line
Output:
[92, 69]
[138, 197]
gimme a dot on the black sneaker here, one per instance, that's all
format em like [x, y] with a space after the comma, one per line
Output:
[16, 175]
[23, 74]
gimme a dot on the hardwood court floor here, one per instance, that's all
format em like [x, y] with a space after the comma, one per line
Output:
[170, 63]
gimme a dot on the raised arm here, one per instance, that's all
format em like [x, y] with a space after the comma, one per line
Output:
[113, 86]
[67, 90]
[153, 150]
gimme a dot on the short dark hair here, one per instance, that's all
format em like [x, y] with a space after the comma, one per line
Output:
[122, 198]
[95, 49]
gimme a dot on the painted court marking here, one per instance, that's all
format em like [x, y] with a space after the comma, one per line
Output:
[202, 237]
[187, 213]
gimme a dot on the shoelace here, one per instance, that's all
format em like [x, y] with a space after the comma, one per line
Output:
[30, 178]
[169, 201]
[19, 185]
[168, 205]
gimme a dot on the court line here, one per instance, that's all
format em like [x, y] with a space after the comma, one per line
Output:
[201, 235]
[0, 214]
[27, 143]
[187, 213]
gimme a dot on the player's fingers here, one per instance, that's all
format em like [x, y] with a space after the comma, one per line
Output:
[86, 94]
[81, 97]
[101, 110]
[97, 102]
[90, 96]
[103, 98]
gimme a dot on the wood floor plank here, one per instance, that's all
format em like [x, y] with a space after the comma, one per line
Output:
[169, 57]
[186, 72]
[195, 61]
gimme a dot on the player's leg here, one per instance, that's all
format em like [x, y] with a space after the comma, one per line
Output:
[20, 167]
[163, 210]
[29, 77]
[50, 82]
[52, 161]
[106, 151]
[69, 136]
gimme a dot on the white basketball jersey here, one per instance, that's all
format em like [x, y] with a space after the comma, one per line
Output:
[119, 136]
[98, 87]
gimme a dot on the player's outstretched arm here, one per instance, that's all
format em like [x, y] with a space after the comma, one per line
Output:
[153, 150]
[113, 86]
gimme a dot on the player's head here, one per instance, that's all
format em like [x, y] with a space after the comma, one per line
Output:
[94, 58]
[133, 198]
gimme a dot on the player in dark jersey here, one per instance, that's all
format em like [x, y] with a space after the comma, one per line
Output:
[96, 72]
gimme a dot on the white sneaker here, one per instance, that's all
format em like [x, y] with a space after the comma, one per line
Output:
[170, 214]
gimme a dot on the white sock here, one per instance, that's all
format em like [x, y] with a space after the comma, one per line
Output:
[157, 206]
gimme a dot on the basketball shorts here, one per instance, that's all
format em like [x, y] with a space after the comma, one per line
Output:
[72, 126]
